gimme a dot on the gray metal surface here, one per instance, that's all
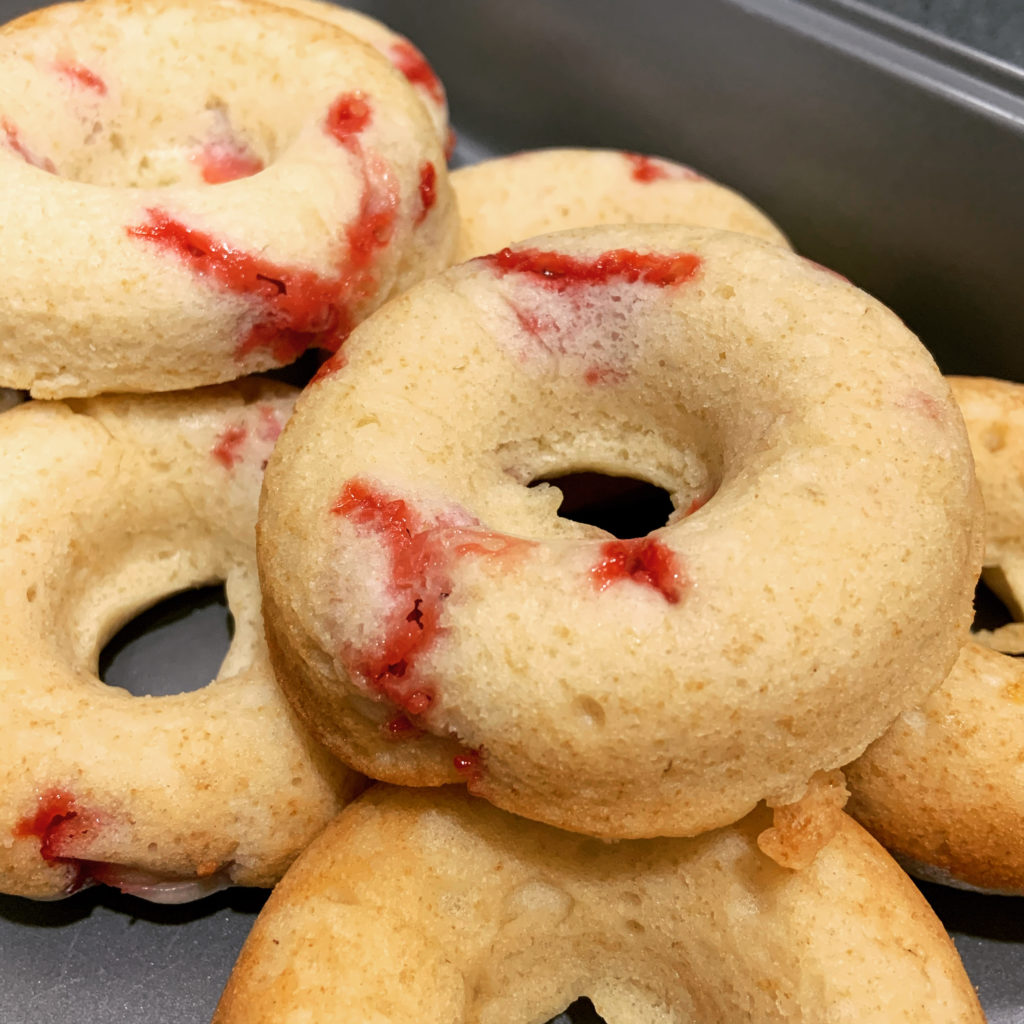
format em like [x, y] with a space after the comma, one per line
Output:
[885, 154]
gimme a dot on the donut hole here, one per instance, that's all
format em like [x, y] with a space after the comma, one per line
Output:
[210, 143]
[174, 646]
[162, 97]
[991, 611]
[579, 1012]
[623, 506]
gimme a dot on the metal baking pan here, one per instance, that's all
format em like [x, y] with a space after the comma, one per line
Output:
[884, 152]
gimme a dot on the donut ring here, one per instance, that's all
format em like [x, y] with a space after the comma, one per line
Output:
[534, 193]
[414, 907]
[433, 619]
[108, 505]
[160, 281]
[942, 788]
[402, 52]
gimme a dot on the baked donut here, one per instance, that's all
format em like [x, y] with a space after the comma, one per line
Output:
[434, 620]
[514, 197]
[108, 505]
[402, 52]
[218, 213]
[414, 907]
[943, 789]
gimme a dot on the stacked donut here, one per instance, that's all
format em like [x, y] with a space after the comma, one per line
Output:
[219, 215]
[635, 721]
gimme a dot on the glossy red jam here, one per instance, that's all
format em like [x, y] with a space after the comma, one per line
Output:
[411, 62]
[298, 308]
[645, 561]
[559, 271]
[421, 555]
[349, 114]
[417, 583]
[428, 190]
[469, 763]
[646, 169]
[62, 827]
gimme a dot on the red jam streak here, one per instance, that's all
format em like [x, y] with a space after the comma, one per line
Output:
[646, 169]
[698, 503]
[576, 281]
[374, 226]
[428, 190]
[401, 727]
[80, 75]
[644, 560]
[418, 579]
[470, 764]
[228, 448]
[13, 140]
[348, 116]
[329, 367]
[559, 271]
[226, 160]
[421, 555]
[60, 825]
[298, 309]
[408, 59]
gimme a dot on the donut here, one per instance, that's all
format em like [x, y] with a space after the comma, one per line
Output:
[108, 505]
[414, 907]
[434, 620]
[402, 52]
[514, 197]
[942, 789]
[182, 208]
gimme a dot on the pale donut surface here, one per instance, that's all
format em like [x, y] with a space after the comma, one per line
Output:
[943, 789]
[401, 51]
[181, 204]
[107, 506]
[514, 197]
[434, 620]
[436, 907]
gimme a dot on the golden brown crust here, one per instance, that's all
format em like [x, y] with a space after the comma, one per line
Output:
[942, 789]
[417, 906]
[800, 830]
